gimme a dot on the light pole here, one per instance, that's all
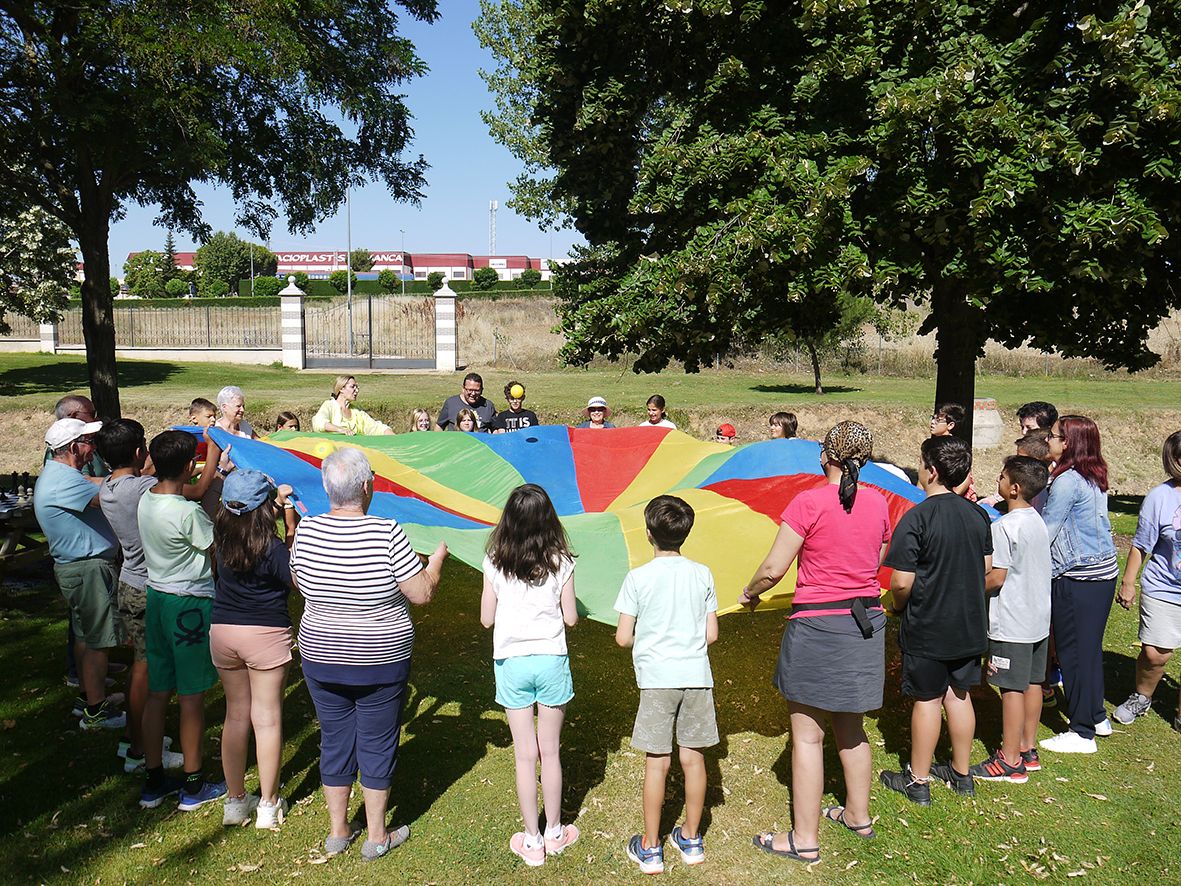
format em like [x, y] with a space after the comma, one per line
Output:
[403, 274]
[252, 270]
[348, 260]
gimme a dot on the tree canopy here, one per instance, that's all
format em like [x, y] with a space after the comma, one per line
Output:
[286, 104]
[36, 265]
[1011, 167]
[228, 258]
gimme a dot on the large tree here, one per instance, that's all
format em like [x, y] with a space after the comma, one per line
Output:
[229, 258]
[36, 265]
[1009, 167]
[136, 100]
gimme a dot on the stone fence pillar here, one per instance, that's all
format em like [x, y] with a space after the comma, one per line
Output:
[48, 337]
[292, 325]
[446, 329]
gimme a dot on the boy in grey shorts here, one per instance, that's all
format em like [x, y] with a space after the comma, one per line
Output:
[668, 616]
[1018, 586]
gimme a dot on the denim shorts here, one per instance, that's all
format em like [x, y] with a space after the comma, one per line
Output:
[524, 680]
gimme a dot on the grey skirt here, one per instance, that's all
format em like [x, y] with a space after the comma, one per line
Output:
[826, 663]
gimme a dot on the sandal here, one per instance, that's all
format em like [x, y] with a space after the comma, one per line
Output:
[864, 831]
[764, 841]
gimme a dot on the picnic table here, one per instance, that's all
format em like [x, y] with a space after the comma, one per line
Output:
[20, 543]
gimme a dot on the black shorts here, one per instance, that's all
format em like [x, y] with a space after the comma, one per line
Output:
[927, 678]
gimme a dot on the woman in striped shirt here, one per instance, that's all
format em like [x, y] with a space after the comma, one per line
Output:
[356, 574]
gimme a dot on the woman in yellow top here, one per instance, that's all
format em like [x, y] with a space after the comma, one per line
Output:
[337, 415]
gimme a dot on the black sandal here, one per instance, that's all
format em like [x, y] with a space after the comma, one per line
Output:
[764, 841]
[864, 831]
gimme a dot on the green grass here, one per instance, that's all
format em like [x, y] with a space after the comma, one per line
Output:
[70, 813]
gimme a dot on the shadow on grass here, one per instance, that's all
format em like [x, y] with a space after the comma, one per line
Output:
[62, 375]
[790, 388]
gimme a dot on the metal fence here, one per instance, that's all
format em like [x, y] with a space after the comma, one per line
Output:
[376, 332]
[21, 328]
[194, 326]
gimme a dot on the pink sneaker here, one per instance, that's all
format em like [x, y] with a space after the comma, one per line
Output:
[568, 837]
[535, 857]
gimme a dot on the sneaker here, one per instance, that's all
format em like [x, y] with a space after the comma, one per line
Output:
[961, 784]
[534, 856]
[106, 718]
[1103, 729]
[1031, 761]
[1069, 743]
[73, 681]
[125, 745]
[270, 815]
[904, 783]
[150, 798]
[238, 810]
[209, 792]
[1137, 705]
[996, 768]
[568, 837]
[692, 848]
[114, 700]
[168, 759]
[651, 861]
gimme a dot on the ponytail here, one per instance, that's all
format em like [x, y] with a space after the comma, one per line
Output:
[847, 491]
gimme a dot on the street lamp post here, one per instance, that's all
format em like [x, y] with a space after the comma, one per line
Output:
[348, 260]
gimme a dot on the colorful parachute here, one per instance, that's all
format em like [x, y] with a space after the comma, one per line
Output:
[450, 487]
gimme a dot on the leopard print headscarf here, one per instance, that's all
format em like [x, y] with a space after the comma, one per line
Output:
[851, 444]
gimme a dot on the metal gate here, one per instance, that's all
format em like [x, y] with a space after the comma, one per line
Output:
[373, 332]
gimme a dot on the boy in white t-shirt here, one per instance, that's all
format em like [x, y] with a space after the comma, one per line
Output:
[1018, 619]
[668, 615]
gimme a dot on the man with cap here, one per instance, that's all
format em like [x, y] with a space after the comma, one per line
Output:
[597, 412]
[84, 549]
[82, 408]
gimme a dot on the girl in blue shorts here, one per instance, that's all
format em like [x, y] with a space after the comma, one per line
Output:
[528, 601]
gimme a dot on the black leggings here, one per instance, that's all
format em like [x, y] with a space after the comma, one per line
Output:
[1079, 611]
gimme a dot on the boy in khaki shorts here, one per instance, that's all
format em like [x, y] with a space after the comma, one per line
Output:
[668, 616]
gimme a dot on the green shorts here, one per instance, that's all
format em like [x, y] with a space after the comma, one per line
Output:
[133, 604]
[177, 633]
[89, 589]
[690, 712]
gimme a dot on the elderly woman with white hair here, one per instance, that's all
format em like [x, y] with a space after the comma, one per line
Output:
[232, 403]
[356, 573]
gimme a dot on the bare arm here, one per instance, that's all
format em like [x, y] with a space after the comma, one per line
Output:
[420, 588]
[994, 578]
[900, 587]
[625, 631]
[711, 627]
[488, 603]
[569, 603]
[1127, 589]
[213, 460]
[784, 550]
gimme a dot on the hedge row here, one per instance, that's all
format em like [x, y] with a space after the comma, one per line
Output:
[316, 295]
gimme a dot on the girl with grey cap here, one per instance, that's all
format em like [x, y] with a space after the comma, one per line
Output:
[832, 658]
[250, 638]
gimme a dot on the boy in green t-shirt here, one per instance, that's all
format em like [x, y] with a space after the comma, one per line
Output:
[177, 537]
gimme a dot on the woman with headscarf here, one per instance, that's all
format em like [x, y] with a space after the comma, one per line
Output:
[832, 658]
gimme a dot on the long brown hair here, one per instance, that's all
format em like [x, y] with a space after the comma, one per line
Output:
[529, 542]
[1083, 454]
[242, 540]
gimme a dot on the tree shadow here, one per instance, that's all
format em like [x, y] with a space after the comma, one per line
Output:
[70, 375]
[810, 390]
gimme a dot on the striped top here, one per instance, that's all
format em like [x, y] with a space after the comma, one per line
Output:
[348, 570]
[1102, 570]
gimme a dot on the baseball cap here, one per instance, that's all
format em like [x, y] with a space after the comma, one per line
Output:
[727, 430]
[65, 431]
[244, 490]
[597, 403]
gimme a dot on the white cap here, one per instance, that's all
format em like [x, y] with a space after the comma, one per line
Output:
[65, 431]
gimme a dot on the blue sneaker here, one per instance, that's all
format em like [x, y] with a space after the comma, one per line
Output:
[210, 791]
[150, 798]
[651, 861]
[692, 848]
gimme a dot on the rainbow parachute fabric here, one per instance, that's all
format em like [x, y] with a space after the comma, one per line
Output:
[451, 486]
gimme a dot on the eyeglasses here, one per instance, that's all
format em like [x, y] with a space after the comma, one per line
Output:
[1055, 437]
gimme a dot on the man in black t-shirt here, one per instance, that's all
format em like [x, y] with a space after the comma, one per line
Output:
[940, 552]
[516, 416]
[471, 397]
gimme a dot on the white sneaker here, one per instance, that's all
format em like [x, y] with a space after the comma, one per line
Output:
[270, 816]
[169, 760]
[1103, 729]
[1069, 743]
[125, 745]
[238, 810]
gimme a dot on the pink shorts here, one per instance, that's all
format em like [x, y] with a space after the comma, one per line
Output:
[234, 647]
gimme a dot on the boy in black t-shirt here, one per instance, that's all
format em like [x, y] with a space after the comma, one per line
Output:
[939, 553]
[516, 416]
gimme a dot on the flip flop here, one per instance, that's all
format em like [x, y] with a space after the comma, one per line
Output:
[764, 841]
[864, 831]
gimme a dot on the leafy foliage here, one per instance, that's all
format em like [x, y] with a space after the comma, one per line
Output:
[388, 280]
[530, 277]
[361, 260]
[301, 280]
[435, 280]
[176, 288]
[144, 273]
[213, 287]
[340, 280]
[268, 286]
[171, 271]
[227, 257]
[733, 163]
[36, 265]
[286, 104]
[485, 278]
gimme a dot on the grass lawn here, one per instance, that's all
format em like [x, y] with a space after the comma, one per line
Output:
[71, 815]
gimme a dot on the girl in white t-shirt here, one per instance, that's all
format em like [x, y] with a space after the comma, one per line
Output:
[528, 601]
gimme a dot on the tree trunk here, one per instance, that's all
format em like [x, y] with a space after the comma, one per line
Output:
[98, 318]
[815, 367]
[959, 336]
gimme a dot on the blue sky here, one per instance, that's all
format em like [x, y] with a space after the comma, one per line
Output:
[467, 170]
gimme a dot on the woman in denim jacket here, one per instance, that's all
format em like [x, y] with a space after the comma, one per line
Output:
[1084, 567]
